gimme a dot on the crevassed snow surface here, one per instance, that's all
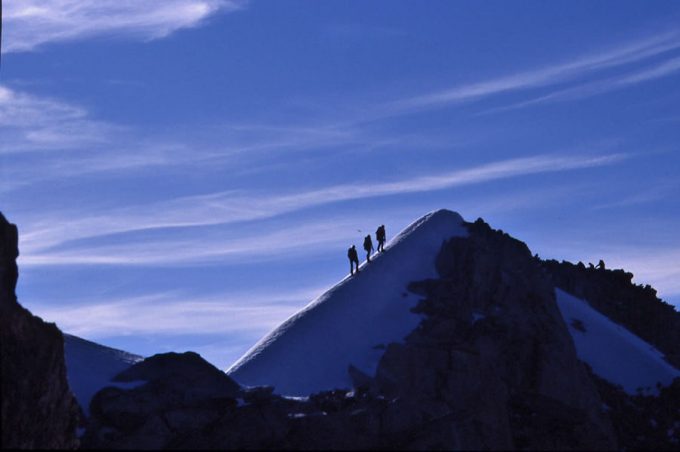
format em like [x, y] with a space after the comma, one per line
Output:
[351, 322]
[91, 366]
[613, 352]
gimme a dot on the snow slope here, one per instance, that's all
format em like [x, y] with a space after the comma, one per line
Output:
[613, 352]
[91, 366]
[351, 322]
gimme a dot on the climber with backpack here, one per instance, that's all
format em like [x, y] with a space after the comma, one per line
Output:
[368, 246]
[380, 237]
[353, 259]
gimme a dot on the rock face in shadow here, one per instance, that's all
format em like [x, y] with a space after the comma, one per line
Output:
[173, 395]
[613, 293]
[643, 422]
[493, 355]
[38, 409]
[183, 402]
[491, 366]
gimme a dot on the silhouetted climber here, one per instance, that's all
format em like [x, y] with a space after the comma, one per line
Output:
[353, 259]
[600, 265]
[380, 237]
[368, 246]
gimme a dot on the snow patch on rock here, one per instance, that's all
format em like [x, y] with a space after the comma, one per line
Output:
[612, 351]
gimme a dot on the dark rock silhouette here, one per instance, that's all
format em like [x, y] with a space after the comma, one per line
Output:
[168, 412]
[493, 355]
[38, 409]
[177, 392]
[613, 293]
[643, 422]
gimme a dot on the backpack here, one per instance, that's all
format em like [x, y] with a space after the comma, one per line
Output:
[380, 233]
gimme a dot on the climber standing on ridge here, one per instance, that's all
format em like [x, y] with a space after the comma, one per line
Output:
[353, 259]
[600, 265]
[380, 237]
[368, 246]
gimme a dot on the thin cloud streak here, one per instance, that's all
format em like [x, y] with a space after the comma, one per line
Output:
[629, 53]
[34, 123]
[202, 248]
[198, 247]
[234, 206]
[659, 191]
[172, 313]
[30, 24]
[665, 69]
[48, 139]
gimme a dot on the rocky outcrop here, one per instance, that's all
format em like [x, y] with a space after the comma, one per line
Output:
[643, 422]
[38, 409]
[634, 306]
[493, 356]
[183, 402]
[176, 394]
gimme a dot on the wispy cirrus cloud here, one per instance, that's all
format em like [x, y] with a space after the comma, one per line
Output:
[665, 69]
[205, 246]
[46, 139]
[550, 75]
[29, 24]
[30, 123]
[230, 207]
[659, 190]
[230, 322]
[202, 247]
[175, 313]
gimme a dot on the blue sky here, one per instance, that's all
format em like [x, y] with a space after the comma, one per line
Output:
[185, 174]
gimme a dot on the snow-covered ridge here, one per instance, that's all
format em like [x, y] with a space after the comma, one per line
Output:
[91, 367]
[351, 322]
[612, 351]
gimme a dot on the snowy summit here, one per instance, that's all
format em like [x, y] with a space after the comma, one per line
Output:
[352, 322]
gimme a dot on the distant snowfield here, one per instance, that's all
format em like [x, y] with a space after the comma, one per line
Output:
[353, 321]
[91, 366]
[613, 352]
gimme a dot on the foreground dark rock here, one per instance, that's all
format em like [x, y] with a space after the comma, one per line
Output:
[189, 404]
[38, 409]
[643, 422]
[178, 393]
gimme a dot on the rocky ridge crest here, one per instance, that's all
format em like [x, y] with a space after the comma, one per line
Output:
[38, 409]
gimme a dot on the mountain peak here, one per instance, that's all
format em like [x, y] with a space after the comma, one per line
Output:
[352, 322]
